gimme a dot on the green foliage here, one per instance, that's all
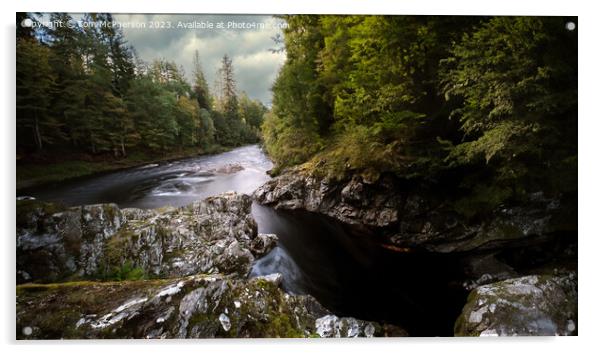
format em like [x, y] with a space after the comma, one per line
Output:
[286, 145]
[127, 272]
[34, 81]
[300, 113]
[251, 111]
[200, 87]
[488, 105]
[361, 80]
[517, 78]
[78, 88]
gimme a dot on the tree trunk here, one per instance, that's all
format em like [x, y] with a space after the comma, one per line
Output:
[37, 135]
[123, 147]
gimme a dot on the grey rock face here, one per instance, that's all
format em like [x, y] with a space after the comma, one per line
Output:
[348, 327]
[531, 305]
[440, 229]
[263, 244]
[354, 202]
[414, 217]
[217, 234]
[333, 326]
[53, 242]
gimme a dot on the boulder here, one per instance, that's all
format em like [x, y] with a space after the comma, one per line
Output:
[229, 168]
[200, 306]
[215, 235]
[348, 327]
[538, 305]
[54, 242]
[353, 201]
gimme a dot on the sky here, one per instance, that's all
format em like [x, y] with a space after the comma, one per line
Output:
[255, 67]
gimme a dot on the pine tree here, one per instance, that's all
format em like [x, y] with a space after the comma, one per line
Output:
[228, 101]
[200, 87]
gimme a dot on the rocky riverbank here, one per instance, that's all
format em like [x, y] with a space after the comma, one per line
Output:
[190, 265]
[98, 271]
[414, 216]
[526, 250]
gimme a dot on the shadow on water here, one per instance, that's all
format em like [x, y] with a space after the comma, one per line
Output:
[352, 275]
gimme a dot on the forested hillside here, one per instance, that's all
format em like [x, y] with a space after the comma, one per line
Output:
[82, 90]
[485, 104]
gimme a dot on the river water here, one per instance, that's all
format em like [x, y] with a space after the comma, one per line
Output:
[340, 266]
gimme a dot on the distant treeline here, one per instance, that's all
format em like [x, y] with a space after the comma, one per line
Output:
[83, 89]
[486, 104]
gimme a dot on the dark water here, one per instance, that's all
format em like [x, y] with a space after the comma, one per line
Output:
[339, 265]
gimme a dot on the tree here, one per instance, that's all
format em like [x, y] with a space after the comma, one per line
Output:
[152, 107]
[206, 132]
[92, 95]
[35, 80]
[226, 84]
[300, 111]
[231, 131]
[251, 111]
[517, 79]
[24, 32]
[200, 87]
[188, 118]
[120, 56]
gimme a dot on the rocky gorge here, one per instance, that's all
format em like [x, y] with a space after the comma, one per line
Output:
[195, 261]
[105, 271]
[520, 259]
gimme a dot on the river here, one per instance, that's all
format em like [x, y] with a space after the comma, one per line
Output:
[343, 268]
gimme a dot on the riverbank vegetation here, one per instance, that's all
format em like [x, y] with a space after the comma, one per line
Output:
[487, 104]
[85, 99]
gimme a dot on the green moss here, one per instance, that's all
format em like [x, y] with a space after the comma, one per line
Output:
[26, 209]
[483, 199]
[279, 320]
[109, 211]
[54, 309]
[280, 325]
[461, 325]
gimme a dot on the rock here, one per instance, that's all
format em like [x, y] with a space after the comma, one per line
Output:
[353, 201]
[275, 278]
[215, 235]
[342, 327]
[229, 168]
[225, 321]
[437, 227]
[524, 306]
[263, 244]
[413, 216]
[485, 269]
[200, 306]
[54, 242]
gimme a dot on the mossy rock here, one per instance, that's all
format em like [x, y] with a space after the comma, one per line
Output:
[537, 305]
[202, 306]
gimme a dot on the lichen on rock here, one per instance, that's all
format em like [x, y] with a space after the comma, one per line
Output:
[214, 235]
[201, 306]
[200, 256]
[530, 305]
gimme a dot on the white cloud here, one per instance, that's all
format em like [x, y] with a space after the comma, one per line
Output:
[255, 66]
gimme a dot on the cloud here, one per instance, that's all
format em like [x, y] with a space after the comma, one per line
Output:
[255, 66]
